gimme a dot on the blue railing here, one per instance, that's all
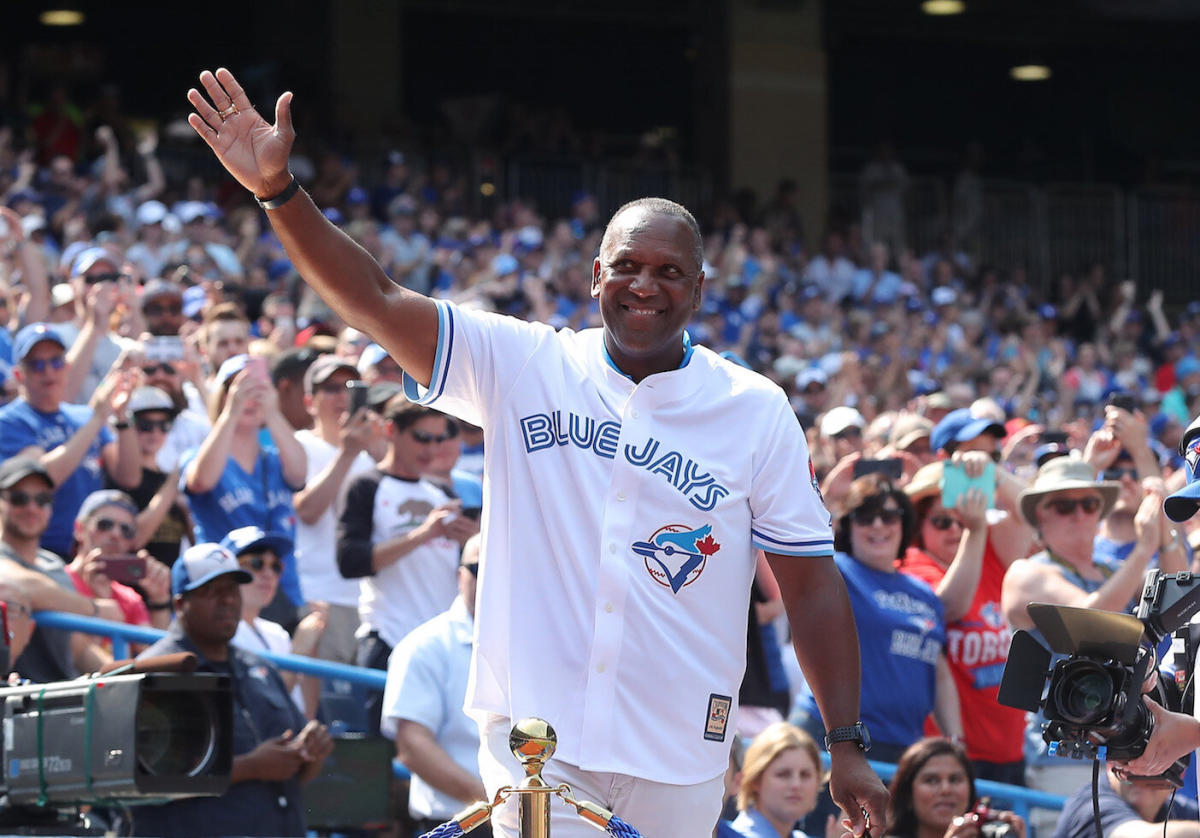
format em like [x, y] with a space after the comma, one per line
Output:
[1021, 799]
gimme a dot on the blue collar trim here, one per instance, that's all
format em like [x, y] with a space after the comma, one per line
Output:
[687, 355]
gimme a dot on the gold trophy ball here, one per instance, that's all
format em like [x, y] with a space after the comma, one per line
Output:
[532, 741]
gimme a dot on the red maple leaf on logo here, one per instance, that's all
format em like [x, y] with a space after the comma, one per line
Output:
[707, 546]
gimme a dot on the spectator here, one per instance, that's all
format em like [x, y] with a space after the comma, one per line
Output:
[71, 441]
[162, 307]
[106, 528]
[336, 450]
[226, 333]
[423, 707]
[901, 629]
[100, 287]
[275, 750]
[375, 365]
[950, 552]
[445, 474]
[190, 426]
[402, 536]
[781, 776]
[51, 654]
[933, 794]
[1065, 505]
[163, 520]
[232, 480]
[287, 374]
[1127, 810]
[261, 555]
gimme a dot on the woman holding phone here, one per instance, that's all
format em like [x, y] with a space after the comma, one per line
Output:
[246, 470]
[950, 551]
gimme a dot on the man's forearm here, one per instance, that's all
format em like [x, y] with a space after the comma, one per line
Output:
[61, 461]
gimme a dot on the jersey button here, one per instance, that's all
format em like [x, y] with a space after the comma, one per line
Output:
[635, 414]
[608, 606]
[620, 496]
[601, 667]
[612, 548]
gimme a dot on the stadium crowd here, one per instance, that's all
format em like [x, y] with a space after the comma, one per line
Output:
[177, 414]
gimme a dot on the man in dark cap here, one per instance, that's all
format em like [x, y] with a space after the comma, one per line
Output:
[271, 760]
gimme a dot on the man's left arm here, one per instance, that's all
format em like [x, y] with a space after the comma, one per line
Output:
[826, 642]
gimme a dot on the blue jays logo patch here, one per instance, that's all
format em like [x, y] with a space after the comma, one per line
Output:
[676, 554]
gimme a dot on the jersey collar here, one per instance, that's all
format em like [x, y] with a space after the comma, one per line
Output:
[687, 355]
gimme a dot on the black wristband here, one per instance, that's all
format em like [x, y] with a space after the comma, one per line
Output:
[282, 198]
[158, 606]
[118, 424]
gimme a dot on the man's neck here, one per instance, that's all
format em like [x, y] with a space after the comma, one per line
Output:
[328, 431]
[25, 549]
[390, 467]
[218, 652]
[1118, 527]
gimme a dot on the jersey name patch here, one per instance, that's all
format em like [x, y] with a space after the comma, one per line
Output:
[675, 555]
[718, 717]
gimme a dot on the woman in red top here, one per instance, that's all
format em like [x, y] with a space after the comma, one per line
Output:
[952, 553]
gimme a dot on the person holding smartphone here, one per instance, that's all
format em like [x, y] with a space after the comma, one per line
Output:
[105, 537]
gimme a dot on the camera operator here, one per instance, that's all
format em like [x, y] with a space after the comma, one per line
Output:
[1127, 810]
[275, 751]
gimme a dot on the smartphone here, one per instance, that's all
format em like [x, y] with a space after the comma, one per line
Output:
[955, 484]
[256, 367]
[891, 468]
[472, 512]
[125, 568]
[1123, 400]
[163, 348]
[1052, 438]
[358, 395]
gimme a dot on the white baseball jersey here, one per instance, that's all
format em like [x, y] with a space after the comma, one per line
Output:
[620, 524]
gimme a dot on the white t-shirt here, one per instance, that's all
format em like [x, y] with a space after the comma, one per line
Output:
[316, 543]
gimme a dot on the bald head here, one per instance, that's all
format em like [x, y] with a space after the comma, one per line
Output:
[651, 207]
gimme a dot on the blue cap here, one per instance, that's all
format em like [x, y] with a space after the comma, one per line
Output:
[193, 301]
[960, 426]
[1185, 366]
[356, 196]
[1193, 309]
[202, 563]
[371, 355]
[31, 336]
[1047, 312]
[86, 258]
[1048, 451]
[248, 539]
[334, 215]
[913, 304]
[1183, 504]
[504, 264]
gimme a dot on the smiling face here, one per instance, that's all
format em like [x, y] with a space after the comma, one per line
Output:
[876, 531]
[647, 279]
[941, 791]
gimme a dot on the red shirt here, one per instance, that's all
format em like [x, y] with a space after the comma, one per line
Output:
[977, 648]
[132, 606]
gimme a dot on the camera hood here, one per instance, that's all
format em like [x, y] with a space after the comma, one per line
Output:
[1086, 631]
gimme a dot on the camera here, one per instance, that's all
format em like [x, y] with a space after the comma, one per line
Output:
[990, 826]
[1092, 698]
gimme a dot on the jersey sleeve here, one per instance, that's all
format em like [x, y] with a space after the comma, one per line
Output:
[355, 523]
[788, 515]
[479, 356]
[15, 435]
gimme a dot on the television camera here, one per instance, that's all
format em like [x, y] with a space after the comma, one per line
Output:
[1092, 698]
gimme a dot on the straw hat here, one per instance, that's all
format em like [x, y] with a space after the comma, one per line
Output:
[927, 481]
[1059, 475]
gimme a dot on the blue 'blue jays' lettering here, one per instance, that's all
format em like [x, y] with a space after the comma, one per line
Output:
[547, 430]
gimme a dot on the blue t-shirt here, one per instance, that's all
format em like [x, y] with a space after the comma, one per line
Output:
[901, 632]
[242, 499]
[21, 426]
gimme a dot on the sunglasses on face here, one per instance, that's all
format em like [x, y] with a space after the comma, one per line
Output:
[151, 369]
[944, 522]
[1116, 474]
[43, 364]
[94, 279]
[1067, 506]
[257, 562]
[160, 311]
[425, 439]
[866, 517]
[473, 567]
[19, 498]
[107, 524]
[146, 425]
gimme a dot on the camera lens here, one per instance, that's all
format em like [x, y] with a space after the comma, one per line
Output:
[176, 733]
[1085, 693]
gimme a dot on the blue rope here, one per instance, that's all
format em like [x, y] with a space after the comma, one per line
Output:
[619, 828]
[450, 829]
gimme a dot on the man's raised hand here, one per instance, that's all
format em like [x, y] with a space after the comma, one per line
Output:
[252, 150]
